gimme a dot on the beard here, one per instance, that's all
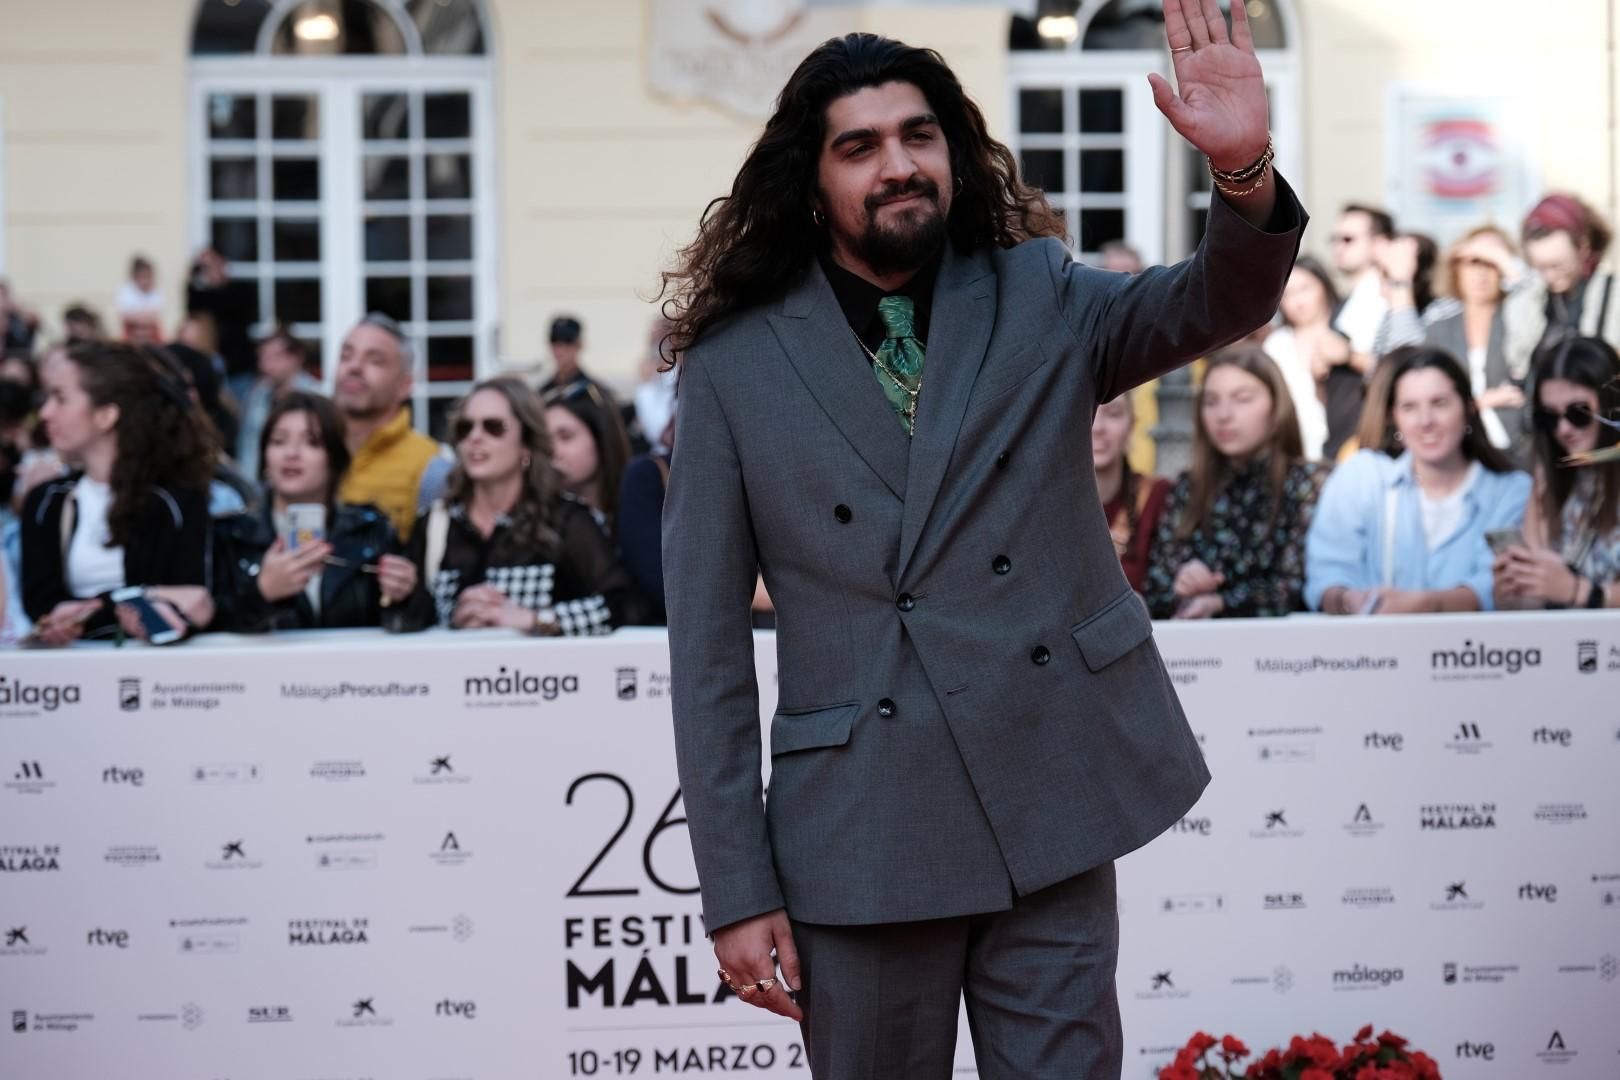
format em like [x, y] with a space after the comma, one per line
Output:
[911, 238]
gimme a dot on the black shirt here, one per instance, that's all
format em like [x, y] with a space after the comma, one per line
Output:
[859, 299]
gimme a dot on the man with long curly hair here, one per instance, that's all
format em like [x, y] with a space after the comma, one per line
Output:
[888, 369]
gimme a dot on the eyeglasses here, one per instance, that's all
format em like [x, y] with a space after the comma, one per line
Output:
[493, 426]
[1578, 415]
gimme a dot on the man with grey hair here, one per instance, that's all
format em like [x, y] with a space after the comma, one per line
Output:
[395, 468]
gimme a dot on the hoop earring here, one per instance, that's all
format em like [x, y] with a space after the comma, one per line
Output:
[818, 218]
[1399, 437]
[527, 461]
[959, 185]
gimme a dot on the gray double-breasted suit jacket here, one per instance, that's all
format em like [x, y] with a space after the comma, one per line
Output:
[971, 705]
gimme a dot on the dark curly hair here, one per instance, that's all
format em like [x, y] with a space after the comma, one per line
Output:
[753, 244]
[164, 438]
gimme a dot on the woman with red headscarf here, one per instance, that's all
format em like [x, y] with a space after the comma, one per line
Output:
[1571, 294]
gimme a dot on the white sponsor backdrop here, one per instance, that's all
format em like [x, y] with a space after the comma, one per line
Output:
[463, 856]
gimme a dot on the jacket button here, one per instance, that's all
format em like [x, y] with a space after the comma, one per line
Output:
[841, 512]
[1001, 459]
[1001, 564]
[1040, 655]
[905, 602]
[885, 708]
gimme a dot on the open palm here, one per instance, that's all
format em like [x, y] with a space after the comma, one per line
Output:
[1222, 108]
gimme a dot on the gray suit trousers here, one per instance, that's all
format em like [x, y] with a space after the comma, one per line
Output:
[881, 1001]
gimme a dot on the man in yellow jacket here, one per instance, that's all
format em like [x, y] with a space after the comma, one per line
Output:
[395, 468]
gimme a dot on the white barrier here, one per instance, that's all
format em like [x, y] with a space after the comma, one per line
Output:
[463, 856]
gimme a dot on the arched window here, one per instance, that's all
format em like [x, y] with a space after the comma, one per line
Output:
[1085, 127]
[342, 163]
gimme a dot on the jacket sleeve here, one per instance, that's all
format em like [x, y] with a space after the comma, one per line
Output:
[1137, 327]
[1512, 492]
[1341, 529]
[418, 611]
[710, 565]
[44, 577]
[239, 607]
[189, 542]
[641, 503]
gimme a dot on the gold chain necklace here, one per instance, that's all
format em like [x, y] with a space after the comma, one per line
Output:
[911, 395]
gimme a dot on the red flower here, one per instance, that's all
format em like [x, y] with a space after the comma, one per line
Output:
[1200, 1042]
[1364, 1034]
[1315, 1074]
[1178, 1071]
[1232, 1049]
[1391, 1040]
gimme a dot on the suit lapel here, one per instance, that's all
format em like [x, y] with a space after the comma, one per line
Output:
[828, 358]
[964, 311]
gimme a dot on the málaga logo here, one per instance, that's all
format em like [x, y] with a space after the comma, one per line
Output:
[1477, 660]
[18, 695]
[514, 686]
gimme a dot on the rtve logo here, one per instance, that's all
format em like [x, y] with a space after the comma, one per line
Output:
[1532, 891]
[467, 1010]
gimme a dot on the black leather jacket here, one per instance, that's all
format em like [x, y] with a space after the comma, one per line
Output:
[349, 595]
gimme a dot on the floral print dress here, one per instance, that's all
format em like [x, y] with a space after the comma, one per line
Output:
[1261, 557]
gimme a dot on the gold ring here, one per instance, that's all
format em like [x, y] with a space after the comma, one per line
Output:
[725, 976]
[765, 985]
[747, 988]
[1184, 48]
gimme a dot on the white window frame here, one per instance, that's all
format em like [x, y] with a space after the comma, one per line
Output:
[1163, 233]
[339, 86]
[338, 83]
[1144, 156]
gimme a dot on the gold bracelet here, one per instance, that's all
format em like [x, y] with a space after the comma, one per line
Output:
[1238, 176]
[1238, 193]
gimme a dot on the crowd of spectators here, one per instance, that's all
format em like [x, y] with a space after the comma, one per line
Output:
[1417, 431]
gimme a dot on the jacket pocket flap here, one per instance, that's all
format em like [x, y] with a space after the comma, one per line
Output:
[1113, 631]
[805, 729]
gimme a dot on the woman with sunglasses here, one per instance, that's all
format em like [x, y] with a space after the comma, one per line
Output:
[589, 448]
[506, 546]
[355, 574]
[1571, 554]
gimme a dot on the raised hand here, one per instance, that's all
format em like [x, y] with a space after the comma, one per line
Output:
[1222, 108]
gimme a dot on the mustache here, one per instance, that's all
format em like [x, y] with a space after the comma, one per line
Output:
[917, 185]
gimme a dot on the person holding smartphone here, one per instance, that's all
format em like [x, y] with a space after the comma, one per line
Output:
[134, 512]
[1408, 534]
[307, 560]
[1569, 552]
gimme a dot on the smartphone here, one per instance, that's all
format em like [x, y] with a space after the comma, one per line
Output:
[158, 630]
[1502, 539]
[306, 524]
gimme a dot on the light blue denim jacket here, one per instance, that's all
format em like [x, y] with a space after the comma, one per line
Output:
[1346, 543]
